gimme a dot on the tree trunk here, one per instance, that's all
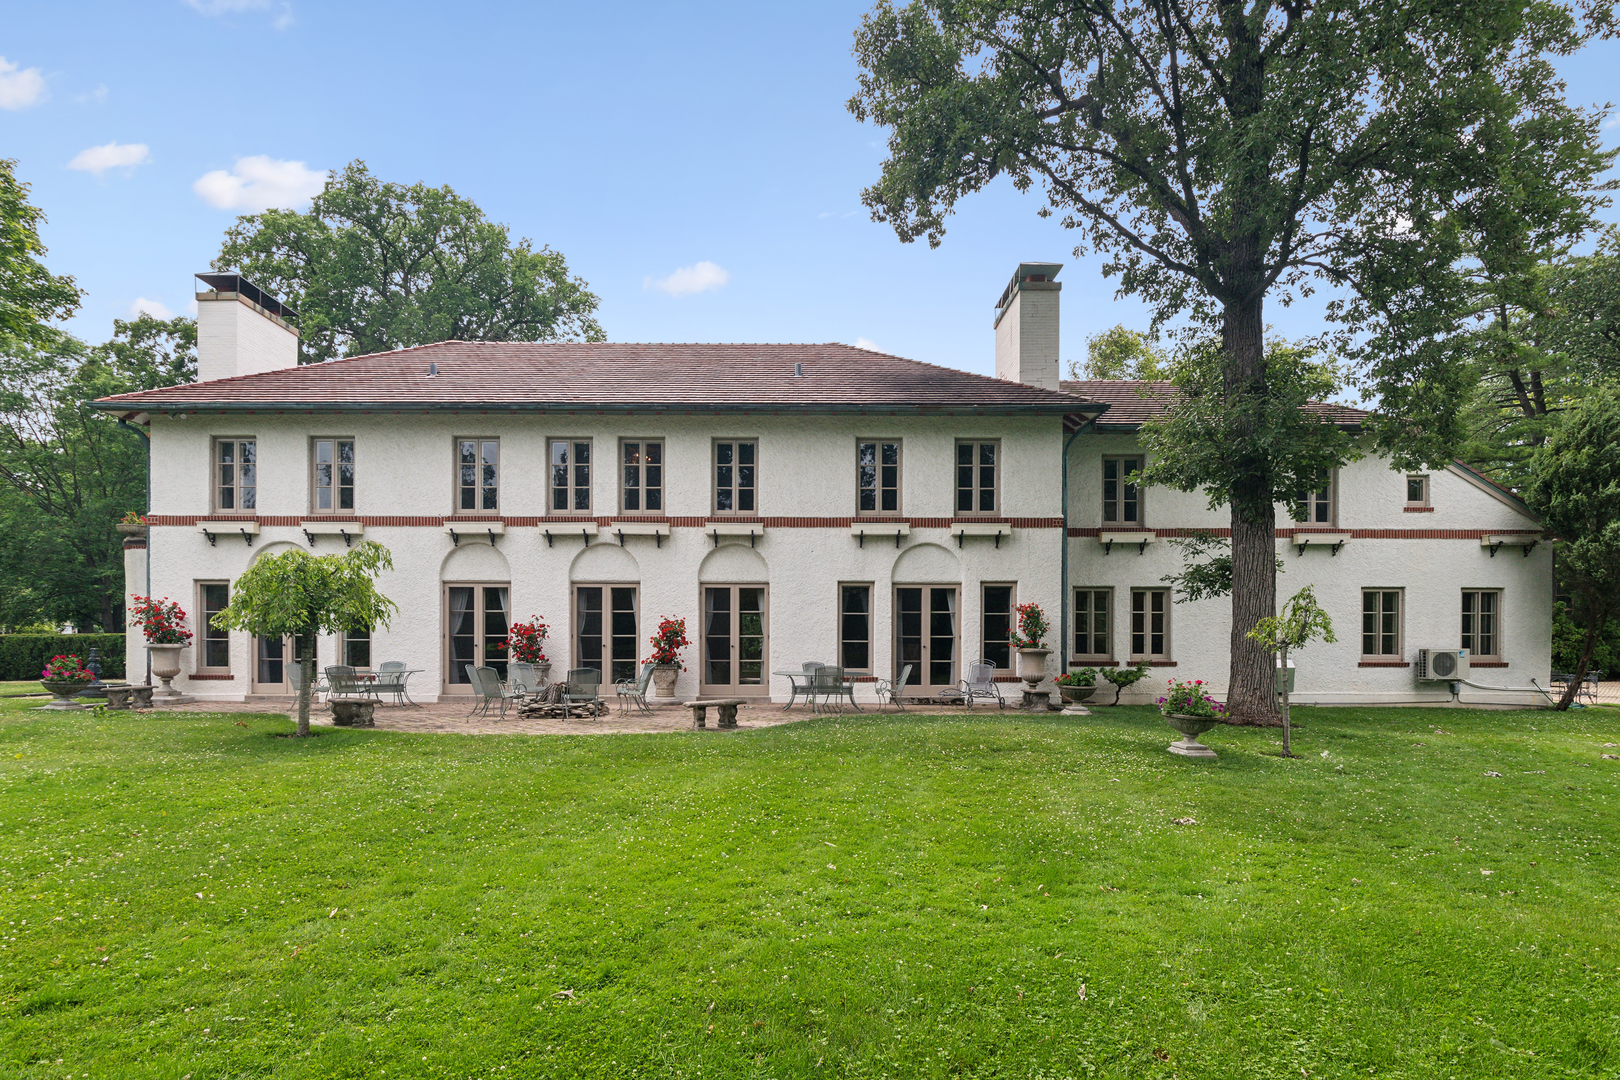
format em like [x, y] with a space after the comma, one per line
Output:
[1596, 616]
[1282, 681]
[306, 667]
[1251, 696]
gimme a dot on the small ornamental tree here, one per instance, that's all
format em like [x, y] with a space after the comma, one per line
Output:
[1575, 488]
[1122, 678]
[163, 622]
[526, 642]
[304, 595]
[1032, 627]
[668, 642]
[1300, 622]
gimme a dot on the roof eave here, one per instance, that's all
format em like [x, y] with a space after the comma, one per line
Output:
[170, 406]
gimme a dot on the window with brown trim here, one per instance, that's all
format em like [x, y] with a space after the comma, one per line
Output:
[1121, 495]
[1093, 611]
[1481, 623]
[357, 647]
[996, 624]
[877, 476]
[1417, 491]
[1150, 624]
[736, 476]
[236, 474]
[1380, 623]
[978, 471]
[607, 630]
[1316, 505]
[331, 480]
[855, 627]
[570, 476]
[642, 475]
[215, 655]
[478, 474]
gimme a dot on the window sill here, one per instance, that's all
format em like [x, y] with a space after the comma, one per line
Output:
[1384, 663]
[1417, 509]
[212, 677]
[1154, 663]
[1487, 663]
[1080, 661]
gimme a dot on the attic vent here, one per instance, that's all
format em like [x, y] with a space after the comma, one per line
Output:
[433, 369]
[798, 371]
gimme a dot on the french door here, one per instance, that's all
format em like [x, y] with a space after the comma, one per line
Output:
[477, 618]
[927, 632]
[272, 657]
[606, 638]
[736, 641]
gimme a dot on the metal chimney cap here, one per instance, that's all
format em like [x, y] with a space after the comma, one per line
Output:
[433, 369]
[798, 371]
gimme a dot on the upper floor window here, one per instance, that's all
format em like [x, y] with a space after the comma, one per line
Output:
[478, 465]
[1380, 622]
[1417, 491]
[236, 474]
[976, 474]
[1122, 499]
[735, 478]
[570, 475]
[1317, 504]
[332, 474]
[877, 476]
[1480, 633]
[643, 475]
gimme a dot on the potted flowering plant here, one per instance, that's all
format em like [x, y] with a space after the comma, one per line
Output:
[64, 676]
[163, 622]
[132, 524]
[1188, 708]
[1077, 686]
[666, 655]
[1028, 638]
[526, 643]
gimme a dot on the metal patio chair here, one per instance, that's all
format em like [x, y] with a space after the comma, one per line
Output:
[521, 678]
[980, 683]
[295, 679]
[488, 686]
[827, 685]
[801, 685]
[633, 692]
[888, 692]
[391, 677]
[583, 686]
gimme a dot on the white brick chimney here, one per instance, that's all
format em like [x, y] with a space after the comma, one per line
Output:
[1027, 326]
[241, 330]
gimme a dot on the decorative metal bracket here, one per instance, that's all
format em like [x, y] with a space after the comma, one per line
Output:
[245, 537]
[548, 537]
[860, 540]
[1108, 546]
[658, 539]
[1302, 548]
[1336, 547]
[959, 539]
[1494, 547]
[1531, 546]
[583, 535]
[715, 533]
[211, 537]
[491, 537]
[348, 541]
[621, 538]
[1140, 548]
[455, 537]
[308, 536]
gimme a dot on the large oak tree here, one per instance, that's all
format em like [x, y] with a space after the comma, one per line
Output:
[1220, 153]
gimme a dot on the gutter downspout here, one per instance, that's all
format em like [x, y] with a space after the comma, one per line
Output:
[1063, 607]
[147, 439]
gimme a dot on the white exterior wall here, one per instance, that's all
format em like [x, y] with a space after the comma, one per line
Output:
[234, 337]
[405, 470]
[1370, 498]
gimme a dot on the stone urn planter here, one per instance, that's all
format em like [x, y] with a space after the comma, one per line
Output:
[1077, 694]
[166, 665]
[354, 713]
[129, 529]
[62, 692]
[1190, 727]
[1032, 669]
[664, 676]
[542, 671]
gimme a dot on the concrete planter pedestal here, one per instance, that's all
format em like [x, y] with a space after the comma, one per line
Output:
[664, 676]
[1073, 696]
[62, 696]
[1032, 669]
[1190, 727]
[166, 665]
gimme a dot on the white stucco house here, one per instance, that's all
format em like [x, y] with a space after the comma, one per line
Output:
[791, 502]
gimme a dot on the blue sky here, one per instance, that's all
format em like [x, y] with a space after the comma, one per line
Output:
[638, 139]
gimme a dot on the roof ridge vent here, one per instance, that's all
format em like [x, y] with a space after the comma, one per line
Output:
[798, 371]
[433, 369]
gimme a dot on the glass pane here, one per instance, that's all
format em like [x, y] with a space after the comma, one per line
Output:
[942, 637]
[745, 453]
[495, 629]
[750, 637]
[717, 636]
[589, 621]
[463, 640]
[722, 453]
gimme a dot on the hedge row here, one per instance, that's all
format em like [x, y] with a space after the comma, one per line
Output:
[23, 655]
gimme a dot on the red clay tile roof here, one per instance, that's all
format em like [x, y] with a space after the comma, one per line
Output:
[1130, 402]
[613, 377]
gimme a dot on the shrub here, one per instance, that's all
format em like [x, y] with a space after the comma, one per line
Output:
[1086, 676]
[23, 656]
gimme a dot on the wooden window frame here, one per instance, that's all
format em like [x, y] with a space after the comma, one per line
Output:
[334, 487]
[1084, 657]
[207, 635]
[1147, 655]
[343, 643]
[734, 487]
[607, 635]
[1012, 623]
[977, 487]
[447, 644]
[1309, 498]
[478, 488]
[1422, 478]
[763, 688]
[879, 488]
[1496, 629]
[1399, 651]
[215, 465]
[571, 467]
[927, 637]
[871, 621]
[643, 487]
[1119, 502]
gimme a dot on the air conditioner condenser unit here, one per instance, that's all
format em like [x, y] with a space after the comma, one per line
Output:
[1441, 665]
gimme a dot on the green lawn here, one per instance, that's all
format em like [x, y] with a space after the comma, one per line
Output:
[848, 897]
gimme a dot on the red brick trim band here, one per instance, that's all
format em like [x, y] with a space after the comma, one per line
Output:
[133, 544]
[1356, 534]
[1092, 663]
[1487, 663]
[1161, 663]
[211, 678]
[564, 523]
[1417, 509]
[1384, 663]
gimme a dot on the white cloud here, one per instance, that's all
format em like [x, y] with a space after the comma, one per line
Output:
[142, 306]
[98, 159]
[255, 184]
[92, 97]
[699, 277]
[868, 344]
[280, 9]
[20, 89]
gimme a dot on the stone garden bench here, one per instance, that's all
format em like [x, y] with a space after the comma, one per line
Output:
[727, 707]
